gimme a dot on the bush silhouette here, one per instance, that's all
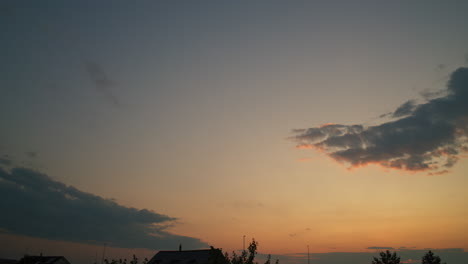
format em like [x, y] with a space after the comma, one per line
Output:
[430, 258]
[246, 256]
[387, 258]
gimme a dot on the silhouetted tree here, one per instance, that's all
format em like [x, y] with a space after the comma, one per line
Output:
[387, 258]
[235, 259]
[134, 260]
[246, 256]
[112, 261]
[430, 258]
[217, 257]
[124, 261]
[252, 251]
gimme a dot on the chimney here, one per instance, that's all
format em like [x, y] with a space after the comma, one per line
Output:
[180, 247]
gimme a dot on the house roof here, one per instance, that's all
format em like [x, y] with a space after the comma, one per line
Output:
[43, 260]
[8, 261]
[200, 256]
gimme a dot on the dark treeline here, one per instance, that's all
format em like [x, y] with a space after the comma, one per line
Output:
[134, 260]
[248, 257]
[216, 257]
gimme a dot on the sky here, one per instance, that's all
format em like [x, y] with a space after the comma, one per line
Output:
[137, 127]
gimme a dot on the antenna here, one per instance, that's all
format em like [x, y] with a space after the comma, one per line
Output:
[103, 252]
[243, 243]
[308, 254]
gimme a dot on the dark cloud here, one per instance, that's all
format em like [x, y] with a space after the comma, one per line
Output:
[32, 204]
[31, 154]
[102, 83]
[300, 232]
[385, 115]
[441, 67]
[427, 137]
[405, 109]
[429, 95]
[5, 161]
[380, 248]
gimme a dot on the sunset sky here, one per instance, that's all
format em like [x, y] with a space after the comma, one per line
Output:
[342, 125]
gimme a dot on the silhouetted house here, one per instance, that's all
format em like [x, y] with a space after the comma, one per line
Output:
[43, 260]
[200, 256]
[8, 261]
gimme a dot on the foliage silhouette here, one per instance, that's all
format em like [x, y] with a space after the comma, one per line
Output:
[387, 258]
[246, 256]
[216, 257]
[134, 260]
[430, 258]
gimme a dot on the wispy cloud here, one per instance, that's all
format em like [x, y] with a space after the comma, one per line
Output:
[421, 137]
[101, 82]
[408, 261]
[5, 161]
[31, 154]
[405, 109]
[304, 159]
[243, 204]
[299, 232]
[35, 205]
[379, 248]
[441, 67]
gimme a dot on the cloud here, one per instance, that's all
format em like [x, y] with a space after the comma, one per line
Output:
[5, 161]
[425, 137]
[243, 204]
[102, 83]
[31, 154]
[431, 94]
[299, 232]
[405, 109]
[380, 248]
[33, 204]
[410, 261]
[440, 67]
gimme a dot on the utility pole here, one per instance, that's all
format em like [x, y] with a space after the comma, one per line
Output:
[103, 252]
[243, 243]
[308, 254]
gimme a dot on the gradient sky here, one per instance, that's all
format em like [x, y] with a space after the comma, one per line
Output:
[188, 110]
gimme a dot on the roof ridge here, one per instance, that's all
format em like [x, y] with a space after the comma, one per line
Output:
[191, 250]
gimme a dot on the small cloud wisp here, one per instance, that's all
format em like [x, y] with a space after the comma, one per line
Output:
[102, 83]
